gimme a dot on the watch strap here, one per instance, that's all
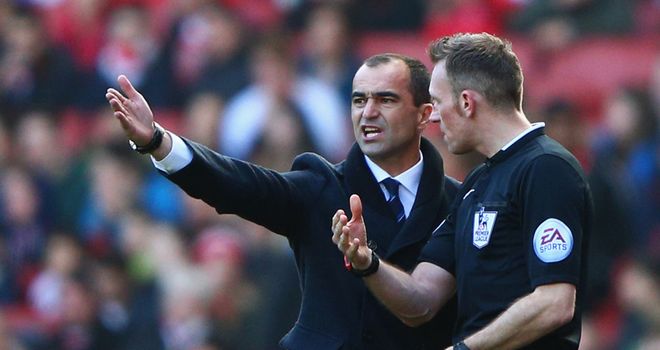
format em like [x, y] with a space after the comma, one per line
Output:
[371, 269]
[154, 143]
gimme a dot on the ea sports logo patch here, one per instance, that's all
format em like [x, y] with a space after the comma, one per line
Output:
[553, 241]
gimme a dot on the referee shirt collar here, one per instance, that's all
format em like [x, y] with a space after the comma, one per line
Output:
[522, 134]
[523, 138]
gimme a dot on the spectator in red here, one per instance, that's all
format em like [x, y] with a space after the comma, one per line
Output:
[132, 48]
[77, 25]
[447, 17]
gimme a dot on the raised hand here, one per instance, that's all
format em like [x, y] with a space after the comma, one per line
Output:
[351, 236]
[132, 111]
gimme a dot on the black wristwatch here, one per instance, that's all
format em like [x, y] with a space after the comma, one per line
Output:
[155, 142]
[461, 346]
[371, 269]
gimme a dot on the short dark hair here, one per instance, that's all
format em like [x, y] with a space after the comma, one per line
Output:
[481, 62]
[419, 74]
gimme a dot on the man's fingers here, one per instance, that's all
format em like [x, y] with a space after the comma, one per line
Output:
[116, 94]
[123, 120]
[335, 218]
[127, 87]
[341, 243]
[119, 112]
[352, 250]
[338, 221]
[118, 107]
[336, 229]
[343, 219]
[356, 208]
[344, 239]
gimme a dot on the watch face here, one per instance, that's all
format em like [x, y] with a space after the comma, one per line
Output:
[135, 147]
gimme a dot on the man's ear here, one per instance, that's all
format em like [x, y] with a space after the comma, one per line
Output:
[424, 115]
[468, 102]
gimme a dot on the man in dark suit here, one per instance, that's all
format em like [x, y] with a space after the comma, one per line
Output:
[390, 109]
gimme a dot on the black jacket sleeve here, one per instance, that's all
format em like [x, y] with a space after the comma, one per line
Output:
[264, 196]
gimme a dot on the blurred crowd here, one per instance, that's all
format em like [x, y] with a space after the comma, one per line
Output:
[98, 251]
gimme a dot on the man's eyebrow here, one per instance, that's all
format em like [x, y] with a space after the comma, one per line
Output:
[387, 94]
[377, 94]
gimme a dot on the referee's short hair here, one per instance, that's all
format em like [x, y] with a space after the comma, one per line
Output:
[483, 63]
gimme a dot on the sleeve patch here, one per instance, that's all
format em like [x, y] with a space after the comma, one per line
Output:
[553, 241]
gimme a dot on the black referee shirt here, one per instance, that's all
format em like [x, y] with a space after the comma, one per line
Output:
[520, 221]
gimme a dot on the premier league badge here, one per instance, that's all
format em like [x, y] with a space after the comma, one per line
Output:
[484, 221]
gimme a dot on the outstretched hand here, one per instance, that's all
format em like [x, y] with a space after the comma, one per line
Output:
[351, 236]
[132, 111]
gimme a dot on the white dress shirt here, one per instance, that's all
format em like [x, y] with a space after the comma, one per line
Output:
[409, 182]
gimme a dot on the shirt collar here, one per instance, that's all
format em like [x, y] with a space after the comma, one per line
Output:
[517, 143]
[408, 179]
[522, 134]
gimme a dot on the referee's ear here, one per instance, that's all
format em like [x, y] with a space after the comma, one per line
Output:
[468, 100]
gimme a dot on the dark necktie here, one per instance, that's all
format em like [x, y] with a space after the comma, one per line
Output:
[394, 202]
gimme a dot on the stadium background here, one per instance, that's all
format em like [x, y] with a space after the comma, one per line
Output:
[97, 251]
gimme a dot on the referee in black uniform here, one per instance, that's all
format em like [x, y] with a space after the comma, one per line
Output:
[513, 244]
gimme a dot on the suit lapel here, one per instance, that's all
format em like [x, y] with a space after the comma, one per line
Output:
[380, 221]
[361, 181]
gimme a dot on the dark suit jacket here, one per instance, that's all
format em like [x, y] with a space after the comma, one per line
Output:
[337, 311]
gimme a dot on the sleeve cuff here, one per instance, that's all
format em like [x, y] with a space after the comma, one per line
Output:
[177, 159]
